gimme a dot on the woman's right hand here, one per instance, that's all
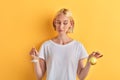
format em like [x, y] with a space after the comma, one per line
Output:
[34, 53]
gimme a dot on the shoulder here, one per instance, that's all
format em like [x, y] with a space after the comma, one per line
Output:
[79, 43]
[46, 43]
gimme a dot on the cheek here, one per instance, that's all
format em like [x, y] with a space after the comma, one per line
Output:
[67, 26]
[57, 27]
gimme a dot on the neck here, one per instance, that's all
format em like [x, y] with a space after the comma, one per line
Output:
[63, 39]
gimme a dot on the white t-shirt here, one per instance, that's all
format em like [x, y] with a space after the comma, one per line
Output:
[62, 60]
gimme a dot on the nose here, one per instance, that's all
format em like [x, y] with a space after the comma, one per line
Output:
[61, 26]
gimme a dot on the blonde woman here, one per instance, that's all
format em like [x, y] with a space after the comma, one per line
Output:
[62, 57]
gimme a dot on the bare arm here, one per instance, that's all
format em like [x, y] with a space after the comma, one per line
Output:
[39, 65]
[40, 68]
[82, 70]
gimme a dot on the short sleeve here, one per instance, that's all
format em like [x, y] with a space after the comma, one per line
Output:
[83, 52]
[42, 52]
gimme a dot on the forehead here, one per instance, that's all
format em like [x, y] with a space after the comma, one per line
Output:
[62, 17]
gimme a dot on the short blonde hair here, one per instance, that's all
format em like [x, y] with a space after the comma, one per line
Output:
[67, 13]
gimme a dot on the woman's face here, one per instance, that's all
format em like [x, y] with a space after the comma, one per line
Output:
[62, 23]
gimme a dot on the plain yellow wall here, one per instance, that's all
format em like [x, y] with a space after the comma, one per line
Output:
[27, 23]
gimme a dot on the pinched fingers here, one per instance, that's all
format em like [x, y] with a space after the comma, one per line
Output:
[34, 53]
[96, 54]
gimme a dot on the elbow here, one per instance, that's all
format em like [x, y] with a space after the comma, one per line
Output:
[81, 76]
[38, 76]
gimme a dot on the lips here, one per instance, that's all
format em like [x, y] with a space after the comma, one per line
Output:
[60, 30]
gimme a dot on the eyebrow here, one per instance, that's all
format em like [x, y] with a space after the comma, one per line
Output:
[64, 20]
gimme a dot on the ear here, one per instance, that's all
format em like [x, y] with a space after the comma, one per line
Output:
[72, 23]
[54, 24]
[70, 30]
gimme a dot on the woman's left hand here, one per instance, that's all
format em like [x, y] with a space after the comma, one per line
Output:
[95, 54]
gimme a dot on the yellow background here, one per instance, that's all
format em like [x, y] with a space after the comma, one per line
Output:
[27, 23]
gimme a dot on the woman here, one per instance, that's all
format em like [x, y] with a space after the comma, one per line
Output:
[62, 57]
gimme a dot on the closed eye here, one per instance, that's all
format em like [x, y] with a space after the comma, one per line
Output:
[65, 23]
[57, 22]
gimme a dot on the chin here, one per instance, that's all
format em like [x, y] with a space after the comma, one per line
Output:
[62, 32]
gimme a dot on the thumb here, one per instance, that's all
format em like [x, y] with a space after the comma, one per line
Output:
[33, 55]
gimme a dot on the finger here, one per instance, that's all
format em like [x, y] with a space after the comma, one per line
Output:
[97, 53]
[32, 52]
[33, 56]
[93, 53]
[100, 56]
[36, 52]
[33, 48]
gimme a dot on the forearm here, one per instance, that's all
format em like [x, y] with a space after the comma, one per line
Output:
[84, 71]
[38, 70]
